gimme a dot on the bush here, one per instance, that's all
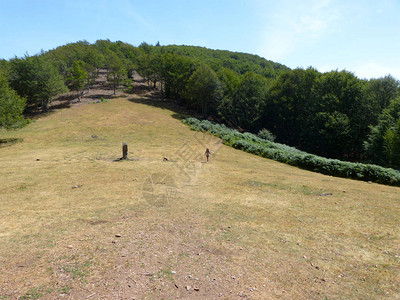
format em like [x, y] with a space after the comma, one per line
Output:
[260, 146]
[266, 135]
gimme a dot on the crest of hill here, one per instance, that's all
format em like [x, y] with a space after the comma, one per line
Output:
[236, 61]
[216, 59]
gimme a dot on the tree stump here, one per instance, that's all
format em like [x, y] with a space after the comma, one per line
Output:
[124, 151]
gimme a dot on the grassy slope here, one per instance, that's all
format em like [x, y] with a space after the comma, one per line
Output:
[238, 226]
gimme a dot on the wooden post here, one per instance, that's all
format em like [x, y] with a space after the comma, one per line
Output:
[124, 151]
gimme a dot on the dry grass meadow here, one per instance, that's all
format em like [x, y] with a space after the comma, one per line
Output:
[76, 224]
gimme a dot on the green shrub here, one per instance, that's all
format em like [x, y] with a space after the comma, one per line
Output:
[260, 146]
[266, 135]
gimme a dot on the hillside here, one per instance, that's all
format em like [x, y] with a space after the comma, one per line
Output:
[333, 114]
[75, 223]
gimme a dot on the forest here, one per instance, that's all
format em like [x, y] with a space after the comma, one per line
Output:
[333, 114]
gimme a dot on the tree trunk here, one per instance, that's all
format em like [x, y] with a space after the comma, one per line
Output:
[45, 106]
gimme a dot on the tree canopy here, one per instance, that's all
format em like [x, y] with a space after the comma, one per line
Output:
[11, 106]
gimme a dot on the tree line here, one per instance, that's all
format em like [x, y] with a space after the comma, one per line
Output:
[333, 114]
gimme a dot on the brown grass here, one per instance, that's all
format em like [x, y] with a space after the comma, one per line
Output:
[76, 224]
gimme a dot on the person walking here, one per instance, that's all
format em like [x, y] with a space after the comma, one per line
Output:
[207, 153]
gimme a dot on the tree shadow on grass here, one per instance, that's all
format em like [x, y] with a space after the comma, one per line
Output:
[155, 99]
[9, 142]
[139, 89]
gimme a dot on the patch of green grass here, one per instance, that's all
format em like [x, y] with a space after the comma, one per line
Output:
[9, 142]
[77, 270]
[33, 293]
[164, 273]
[64, 290]
[22, 188]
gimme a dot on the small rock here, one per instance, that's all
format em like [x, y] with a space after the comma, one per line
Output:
[188, 287]
[37, 159]
[197, 289]
[118, 235]
[314, 266]
[69, 247]
[325, 194]
[176, 285]
[173, 272]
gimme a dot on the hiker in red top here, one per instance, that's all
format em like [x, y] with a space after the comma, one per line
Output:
[208, 153]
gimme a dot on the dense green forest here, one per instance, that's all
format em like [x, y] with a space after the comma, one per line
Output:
[332, 114]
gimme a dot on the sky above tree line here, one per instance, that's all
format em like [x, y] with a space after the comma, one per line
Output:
[360, 36]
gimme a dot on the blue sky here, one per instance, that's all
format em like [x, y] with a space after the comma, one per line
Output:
[361, 36]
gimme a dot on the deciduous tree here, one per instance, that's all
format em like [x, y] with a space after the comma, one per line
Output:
[36, 79]
[203, 89]
[11, 106]
[78, 78]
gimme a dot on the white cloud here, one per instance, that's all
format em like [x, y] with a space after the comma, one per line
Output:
[317, 18]
[376, 70]
[291, 24]
[128, 9]
[277, 45]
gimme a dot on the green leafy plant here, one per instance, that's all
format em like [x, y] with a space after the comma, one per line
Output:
[253, 144]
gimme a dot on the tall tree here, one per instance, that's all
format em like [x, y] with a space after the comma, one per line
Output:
[11, 106]
[203, 89]
[339, 95]
[392, 144]
[116, 70]
[291, 105]
[375, 144]
[381, 91]
[176, 71]
[36, 79]
[78, 78]
[245, 106]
